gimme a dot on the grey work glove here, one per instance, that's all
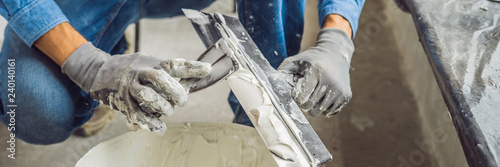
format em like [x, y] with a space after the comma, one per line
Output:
[140, 86]
[321, 73]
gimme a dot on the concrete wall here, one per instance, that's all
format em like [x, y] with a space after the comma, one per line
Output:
[397, 116]
[440, 138]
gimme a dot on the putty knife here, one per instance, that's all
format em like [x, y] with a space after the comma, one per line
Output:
[212, 28]
[222, 66]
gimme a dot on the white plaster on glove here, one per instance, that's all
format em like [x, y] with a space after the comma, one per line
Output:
[141, 87]
[322, 73]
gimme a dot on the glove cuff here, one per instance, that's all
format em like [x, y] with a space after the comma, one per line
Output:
[338, 37]
[83, 64]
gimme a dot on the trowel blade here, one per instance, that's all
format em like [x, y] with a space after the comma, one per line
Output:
[222, 66]
[202, 23]
[209, 29]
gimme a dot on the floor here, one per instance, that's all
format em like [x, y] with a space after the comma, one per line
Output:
[377, 128]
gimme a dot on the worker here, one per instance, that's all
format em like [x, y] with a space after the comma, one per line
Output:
[69, 64]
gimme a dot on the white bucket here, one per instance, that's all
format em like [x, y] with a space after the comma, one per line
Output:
[183, 145]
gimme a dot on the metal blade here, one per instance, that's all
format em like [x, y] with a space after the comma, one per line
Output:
[203, 24]
[222, 66]
[206, 27]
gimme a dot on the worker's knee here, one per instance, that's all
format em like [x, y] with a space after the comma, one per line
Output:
[44, 121]
[45, 109]
[30, 133]
[43, 138]
[41, 104]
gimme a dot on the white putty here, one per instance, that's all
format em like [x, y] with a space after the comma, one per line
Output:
[183, 145]
[259, 107]
[261, 112]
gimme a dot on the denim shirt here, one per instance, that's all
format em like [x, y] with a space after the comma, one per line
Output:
[30, 19]
[349, 9]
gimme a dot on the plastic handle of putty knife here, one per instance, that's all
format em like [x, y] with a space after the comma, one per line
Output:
[223, 65]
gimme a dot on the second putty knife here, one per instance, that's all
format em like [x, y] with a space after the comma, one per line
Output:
[222, 66]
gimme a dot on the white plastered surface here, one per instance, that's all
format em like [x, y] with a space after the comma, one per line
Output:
[261, 112]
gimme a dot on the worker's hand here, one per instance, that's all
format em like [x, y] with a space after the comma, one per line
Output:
[321, 73]
[140, 86]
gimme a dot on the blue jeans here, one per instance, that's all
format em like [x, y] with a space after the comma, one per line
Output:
[50, 106]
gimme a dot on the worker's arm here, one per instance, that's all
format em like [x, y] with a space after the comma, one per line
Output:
[60, 42]
[322, 71]
[350, 10]
[44, 22]
[140, 86]
[337, 21]
[31, 19]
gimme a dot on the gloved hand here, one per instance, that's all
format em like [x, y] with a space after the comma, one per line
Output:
[140, 86]
[321, 73]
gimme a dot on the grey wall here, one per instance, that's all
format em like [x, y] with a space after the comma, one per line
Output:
[440, 138]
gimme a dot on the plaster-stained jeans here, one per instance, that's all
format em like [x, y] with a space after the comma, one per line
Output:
[50, 106]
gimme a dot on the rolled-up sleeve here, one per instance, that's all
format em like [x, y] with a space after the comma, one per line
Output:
[349, 9]
[30, 19]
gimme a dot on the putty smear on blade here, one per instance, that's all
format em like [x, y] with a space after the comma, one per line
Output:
[261, 111]
[257, 103]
